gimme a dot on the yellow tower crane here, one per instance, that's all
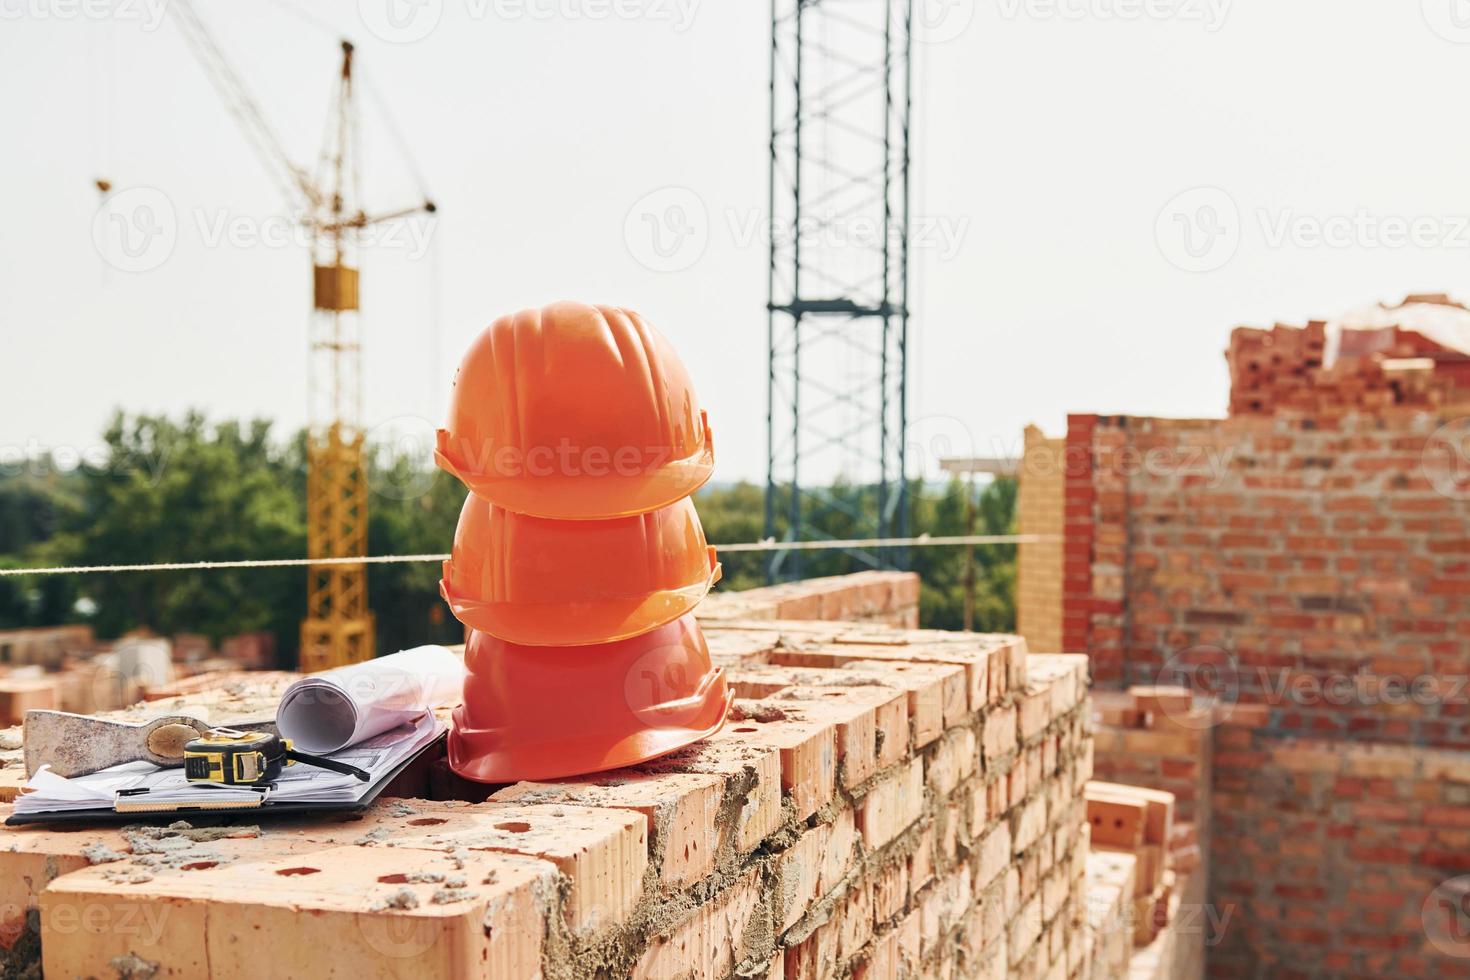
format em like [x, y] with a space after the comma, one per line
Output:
[338, 628]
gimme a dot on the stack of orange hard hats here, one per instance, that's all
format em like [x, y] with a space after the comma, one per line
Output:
[579, 556]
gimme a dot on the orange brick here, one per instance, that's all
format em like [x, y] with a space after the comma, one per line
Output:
[995, 855]
[752, 775]
[1159, 825]
[872, 725]
[892, 805]
[1162, 700]
[856, 919]
[32, 857]
[682, 810]
[936, 692]
[1035, 714]
[344, 911]
[17, 696]
[944, 904]
[602, 852]
[890, 891]
[1117, 822]
[711, 941]
[953, 759]
[974, 660]
[921, 862]
[812, 867]
[998, 736]
[806, 741]
[884, 961]
[11, 781]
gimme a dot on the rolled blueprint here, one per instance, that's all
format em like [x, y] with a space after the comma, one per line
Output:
[329, 711]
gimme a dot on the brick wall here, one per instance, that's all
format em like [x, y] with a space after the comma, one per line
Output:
[884, 803]
[1340, 859]
[1284, 368]
[888, 598]
[1039, 509]
[1309, 561]
[1309, 576]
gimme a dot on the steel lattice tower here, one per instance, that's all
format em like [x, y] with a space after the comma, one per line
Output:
[838, 280]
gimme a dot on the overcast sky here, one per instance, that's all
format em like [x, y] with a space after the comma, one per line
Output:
[1110, 186]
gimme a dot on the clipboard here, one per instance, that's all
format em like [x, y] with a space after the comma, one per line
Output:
[138, 812]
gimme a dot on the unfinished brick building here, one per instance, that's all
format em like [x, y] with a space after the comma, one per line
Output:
[1305, 564]
[885, 803]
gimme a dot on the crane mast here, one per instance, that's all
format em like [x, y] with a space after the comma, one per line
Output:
[338, 628]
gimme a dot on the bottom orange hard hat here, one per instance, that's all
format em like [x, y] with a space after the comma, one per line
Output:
[543, 712]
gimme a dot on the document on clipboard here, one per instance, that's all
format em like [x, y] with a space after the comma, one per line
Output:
[141, 787]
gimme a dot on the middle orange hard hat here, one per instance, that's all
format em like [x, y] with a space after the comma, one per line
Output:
[575, 412]
[539, 582]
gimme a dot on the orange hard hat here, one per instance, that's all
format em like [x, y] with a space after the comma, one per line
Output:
[540, 713]
[575, 412]
[540, 582]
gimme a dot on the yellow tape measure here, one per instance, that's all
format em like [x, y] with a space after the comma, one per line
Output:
[235, 758]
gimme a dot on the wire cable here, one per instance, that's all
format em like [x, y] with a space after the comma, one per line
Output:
[768, 544]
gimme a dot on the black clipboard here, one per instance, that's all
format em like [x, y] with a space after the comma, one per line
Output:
[267, 808]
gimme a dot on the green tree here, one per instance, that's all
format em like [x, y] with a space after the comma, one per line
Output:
[193, 491]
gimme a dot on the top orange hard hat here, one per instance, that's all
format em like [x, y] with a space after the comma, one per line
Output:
[575, 412]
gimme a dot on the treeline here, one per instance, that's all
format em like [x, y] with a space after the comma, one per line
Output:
[165, 490]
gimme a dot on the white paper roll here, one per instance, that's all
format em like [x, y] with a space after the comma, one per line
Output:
[332, 710]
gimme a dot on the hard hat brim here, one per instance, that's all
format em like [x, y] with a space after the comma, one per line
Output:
[580, 623]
